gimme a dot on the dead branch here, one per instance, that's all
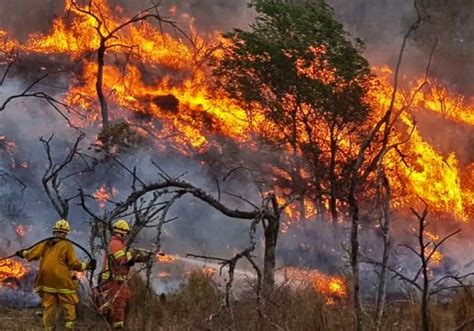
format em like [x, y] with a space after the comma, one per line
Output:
[105, 34]
[6, 174]
[355, 177]
[232, 264]
[12, 59]
[51, 179]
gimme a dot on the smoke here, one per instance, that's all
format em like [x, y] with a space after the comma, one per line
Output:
[381, 24]
[199, 228]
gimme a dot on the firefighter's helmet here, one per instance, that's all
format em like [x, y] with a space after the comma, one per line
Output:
[121, 226]
[62, 226]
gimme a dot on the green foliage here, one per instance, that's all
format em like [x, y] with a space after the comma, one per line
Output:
[299, 68]
[118, 138]
[261, 65]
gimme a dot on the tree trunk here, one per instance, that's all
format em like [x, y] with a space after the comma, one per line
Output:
[269, 261]
[355, 259]
[104, 109]
[425, 326]
[333, 178]
[271, 230]
[385, 226]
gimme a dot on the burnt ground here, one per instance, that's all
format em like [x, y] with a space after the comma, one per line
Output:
[19, 319]
[29, 319]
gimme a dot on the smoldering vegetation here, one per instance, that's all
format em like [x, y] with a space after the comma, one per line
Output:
[379, 23]
[22, 125]
[199, 229]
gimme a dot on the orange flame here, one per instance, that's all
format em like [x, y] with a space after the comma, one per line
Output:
[334, 288]
[21, 230]
[425, 172]
[165, 258]
[103, 195]
[436, 257]
[9, 148]
[11, 268]
[162, 80]
[164, 274]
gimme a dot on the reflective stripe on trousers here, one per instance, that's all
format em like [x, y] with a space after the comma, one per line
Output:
[51, 302]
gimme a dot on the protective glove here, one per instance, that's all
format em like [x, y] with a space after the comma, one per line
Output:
[92, 265]
[143, 256]
[134, 253]
[20, 253]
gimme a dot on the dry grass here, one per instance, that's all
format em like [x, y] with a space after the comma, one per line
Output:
[191, 307]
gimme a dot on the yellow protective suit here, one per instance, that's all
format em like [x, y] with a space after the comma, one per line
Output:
[54, 281]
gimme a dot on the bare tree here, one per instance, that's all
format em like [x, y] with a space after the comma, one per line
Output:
[109, 38]
[53, 177]
[366, 163]
[422, 281]
[268, 213]
[383, 200]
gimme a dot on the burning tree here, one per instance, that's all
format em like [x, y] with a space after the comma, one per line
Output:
[295, 98]
[108, 32]
[303, 83]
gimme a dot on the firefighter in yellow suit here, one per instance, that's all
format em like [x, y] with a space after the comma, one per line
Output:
[54, 282]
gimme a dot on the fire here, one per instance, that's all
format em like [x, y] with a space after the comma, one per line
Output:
[80, 275]
[209, 271]
[165, 258]
[431, 236]
[8, 45]
[434, 177]
[21, 230]
[333, 288]
[425, 172]
[438, 99]
[164, 274]
[11, 269]
[436, 257]
[8, 149]
[160, 84]
[103, 195]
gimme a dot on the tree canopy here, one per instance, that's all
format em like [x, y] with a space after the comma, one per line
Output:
[298, 69]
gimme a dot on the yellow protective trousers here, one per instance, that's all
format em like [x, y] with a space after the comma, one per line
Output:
[51, 302]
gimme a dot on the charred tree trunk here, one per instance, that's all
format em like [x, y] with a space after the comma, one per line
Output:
[104, 109]
[385, 227]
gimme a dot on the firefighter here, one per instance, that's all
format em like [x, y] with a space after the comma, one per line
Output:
[54, 281]
[113, 291]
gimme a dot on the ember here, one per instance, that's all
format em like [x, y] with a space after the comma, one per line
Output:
[436, 257]
[164, 274]
[21, 230]
[9, 148]
[103, 194]
[165, 258]
[188, 108]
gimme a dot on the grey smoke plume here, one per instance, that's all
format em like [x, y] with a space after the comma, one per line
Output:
[381, 23]
[199, 228]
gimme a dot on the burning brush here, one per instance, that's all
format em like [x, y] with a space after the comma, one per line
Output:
[333, 288]
[11, 272]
